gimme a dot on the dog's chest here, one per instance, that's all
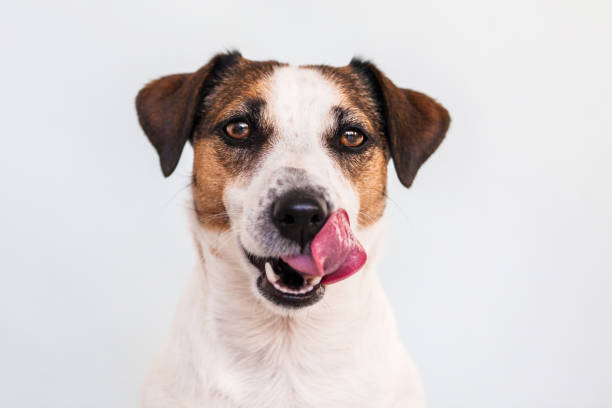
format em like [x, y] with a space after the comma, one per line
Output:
[292, 382]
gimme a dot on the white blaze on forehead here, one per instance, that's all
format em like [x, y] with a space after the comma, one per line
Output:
[300, 106]
[299, 103]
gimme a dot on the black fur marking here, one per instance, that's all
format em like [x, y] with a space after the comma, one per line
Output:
[221, 65]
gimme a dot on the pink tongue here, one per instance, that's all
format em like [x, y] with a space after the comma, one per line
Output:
[335, 252]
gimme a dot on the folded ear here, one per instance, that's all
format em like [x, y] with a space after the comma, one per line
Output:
[415, 124]
[167, 108]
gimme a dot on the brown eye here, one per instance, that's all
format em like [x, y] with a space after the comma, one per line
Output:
[238, 130]
[352, 138]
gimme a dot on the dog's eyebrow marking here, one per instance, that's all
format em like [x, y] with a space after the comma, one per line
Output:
[250, 108]
[350, 117]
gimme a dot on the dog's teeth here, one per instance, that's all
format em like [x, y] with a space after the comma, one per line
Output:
[272, 277]
[306, 289]
[284, 289]
[315, 280]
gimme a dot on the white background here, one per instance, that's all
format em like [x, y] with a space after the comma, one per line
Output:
[498, 261]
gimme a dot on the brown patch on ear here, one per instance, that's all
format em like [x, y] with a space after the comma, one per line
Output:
[167, 109]
[415, 123]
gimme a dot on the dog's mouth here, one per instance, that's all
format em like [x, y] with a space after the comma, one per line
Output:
[297, 280]
[281, 284]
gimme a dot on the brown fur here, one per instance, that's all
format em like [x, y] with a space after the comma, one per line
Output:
[372, 187]
[215, 164]
[211, 176]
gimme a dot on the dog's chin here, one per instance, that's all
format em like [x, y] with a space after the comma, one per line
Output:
[283, 286]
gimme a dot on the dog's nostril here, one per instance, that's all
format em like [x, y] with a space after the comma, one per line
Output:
[315, 219]
[287, 219]
[299, 215]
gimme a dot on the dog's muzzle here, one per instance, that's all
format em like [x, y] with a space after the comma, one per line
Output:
[331, 255]
[302, 241]
[298, 215]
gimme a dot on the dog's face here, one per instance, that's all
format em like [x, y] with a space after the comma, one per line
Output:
[285, 157]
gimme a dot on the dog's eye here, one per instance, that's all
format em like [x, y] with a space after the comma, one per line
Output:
[352, 138]
[238, 130]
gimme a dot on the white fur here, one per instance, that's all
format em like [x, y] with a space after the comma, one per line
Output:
[232, 348]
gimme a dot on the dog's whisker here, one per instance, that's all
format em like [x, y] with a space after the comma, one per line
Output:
[174, 196]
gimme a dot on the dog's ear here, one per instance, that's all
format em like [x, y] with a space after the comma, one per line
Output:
[415, 124]
[167, 107]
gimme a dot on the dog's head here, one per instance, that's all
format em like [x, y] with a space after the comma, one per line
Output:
[286, 158]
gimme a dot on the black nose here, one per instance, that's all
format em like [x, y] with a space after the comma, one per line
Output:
[299, 215]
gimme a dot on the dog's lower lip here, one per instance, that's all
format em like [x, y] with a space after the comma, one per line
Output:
[284, 286]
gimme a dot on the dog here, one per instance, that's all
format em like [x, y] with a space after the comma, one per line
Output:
[284, 308]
